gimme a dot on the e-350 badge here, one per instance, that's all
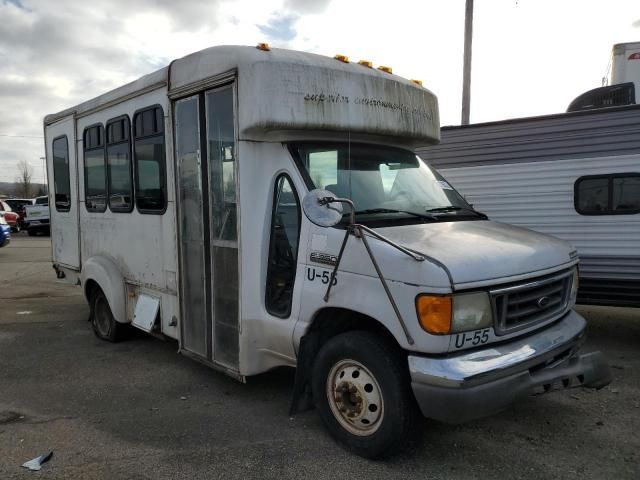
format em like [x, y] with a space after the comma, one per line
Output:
[323, 258]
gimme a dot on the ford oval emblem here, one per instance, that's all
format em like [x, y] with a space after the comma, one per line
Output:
[543, 302]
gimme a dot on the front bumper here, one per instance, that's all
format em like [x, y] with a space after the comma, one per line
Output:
[475, 384]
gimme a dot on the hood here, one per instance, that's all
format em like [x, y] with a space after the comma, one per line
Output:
[477, 251]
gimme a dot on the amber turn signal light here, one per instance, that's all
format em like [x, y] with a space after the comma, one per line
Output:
[434, 313]
[263, 46]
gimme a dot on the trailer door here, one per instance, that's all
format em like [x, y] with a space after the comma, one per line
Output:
[62, 173]
[206, 169]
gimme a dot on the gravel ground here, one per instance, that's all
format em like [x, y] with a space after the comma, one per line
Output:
[139, 410]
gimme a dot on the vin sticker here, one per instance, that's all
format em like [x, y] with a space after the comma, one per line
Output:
[322, 276]
[466, 339]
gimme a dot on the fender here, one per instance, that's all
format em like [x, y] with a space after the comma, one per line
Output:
[106, 274]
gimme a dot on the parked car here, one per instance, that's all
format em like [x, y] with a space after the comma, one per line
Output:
[5, 231]
[37, 216]
[11, 217]
[17, 205]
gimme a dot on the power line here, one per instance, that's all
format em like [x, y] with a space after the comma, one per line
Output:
[19, 136]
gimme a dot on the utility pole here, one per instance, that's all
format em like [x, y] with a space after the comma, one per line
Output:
[44, 174]
[466, 73]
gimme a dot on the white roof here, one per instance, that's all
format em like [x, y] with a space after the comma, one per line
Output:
[283, 91]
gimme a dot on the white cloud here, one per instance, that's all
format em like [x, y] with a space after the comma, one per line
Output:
[530, 57]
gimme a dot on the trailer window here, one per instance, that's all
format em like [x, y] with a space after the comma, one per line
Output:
[119, 165]
[61, 184]
[149, 157]
[283, 248]
[614, 194]
[95, 170]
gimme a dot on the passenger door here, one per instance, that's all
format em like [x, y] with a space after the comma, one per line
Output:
[208, 228]
[62, 172]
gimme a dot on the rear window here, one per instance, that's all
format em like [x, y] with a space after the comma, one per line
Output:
[61, 184]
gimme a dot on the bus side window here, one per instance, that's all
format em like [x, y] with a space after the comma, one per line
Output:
[283, 248]
[95, 169]
[149, 158]
[62, 187]
[119, 165]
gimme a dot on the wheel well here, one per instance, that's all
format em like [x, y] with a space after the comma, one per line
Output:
[328, 323]
[90, 287]
[332, 321]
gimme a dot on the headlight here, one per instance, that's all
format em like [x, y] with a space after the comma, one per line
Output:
[575, 283]
[2, 219]
[444, 314]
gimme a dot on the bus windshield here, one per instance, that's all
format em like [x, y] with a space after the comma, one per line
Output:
[381, 180]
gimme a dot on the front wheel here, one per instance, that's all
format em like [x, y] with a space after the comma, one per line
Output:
[362, 391]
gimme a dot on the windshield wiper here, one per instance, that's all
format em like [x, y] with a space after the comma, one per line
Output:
[392, 210]
[454, 208]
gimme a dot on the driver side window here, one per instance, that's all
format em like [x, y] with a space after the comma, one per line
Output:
[283, 248]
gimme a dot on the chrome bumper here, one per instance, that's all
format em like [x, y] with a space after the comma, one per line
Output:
[468, 385]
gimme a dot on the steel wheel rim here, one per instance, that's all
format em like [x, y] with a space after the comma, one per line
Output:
[102, 318]
[355, 398]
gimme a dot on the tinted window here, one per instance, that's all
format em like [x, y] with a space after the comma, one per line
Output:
[283, 248]
[61, 185]
[608, 194]
[593, 195]
[119, 165]
[626, 194]
[149, 155]
[95, 170]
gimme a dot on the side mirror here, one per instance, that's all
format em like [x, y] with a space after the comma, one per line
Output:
[320, 207]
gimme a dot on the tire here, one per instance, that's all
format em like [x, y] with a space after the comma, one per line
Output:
[373, 412]
[104, 325]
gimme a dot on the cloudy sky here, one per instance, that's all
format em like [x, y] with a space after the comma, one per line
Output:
[530, 57]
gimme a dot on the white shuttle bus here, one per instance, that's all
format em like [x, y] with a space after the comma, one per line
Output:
[266, 208]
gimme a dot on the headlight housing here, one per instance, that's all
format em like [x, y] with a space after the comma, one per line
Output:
[575, 282]
[3, 221]
[445, 314]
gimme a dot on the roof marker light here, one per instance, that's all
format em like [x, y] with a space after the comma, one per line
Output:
[385, 69]
[342, 58]
[417, 82]
[263, 46]
[366, 63]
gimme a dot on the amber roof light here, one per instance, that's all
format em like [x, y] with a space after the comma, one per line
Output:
[263, 46]
[385, 69]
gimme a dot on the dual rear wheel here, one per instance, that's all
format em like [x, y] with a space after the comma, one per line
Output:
[102, 322]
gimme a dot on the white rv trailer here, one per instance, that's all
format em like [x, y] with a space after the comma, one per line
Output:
[624, 66]
[210, 202]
